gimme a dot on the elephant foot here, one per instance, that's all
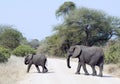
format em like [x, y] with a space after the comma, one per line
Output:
[39, 72]
[44, 71]
[94, 74]
[100, 75]
[86, 73]
[77, 72]
[27, 71]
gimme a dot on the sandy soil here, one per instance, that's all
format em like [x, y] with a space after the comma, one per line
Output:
[60, 74]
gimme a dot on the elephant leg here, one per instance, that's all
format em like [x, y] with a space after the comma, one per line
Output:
[78, 68]
[28, 68]
[100, 70]
[93, 69]
[84, 68]
[37, 68]
[44, 69]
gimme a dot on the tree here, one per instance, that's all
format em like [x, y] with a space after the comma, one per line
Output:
[91, 27]
[10, 37]
[82, 26]
[4, 54]
[24, 41]
[34, 43]
[65, 9]
[85, 26]
[112, 52]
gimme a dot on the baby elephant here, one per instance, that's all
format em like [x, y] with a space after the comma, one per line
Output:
[37, 60]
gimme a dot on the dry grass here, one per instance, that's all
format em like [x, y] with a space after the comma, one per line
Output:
[12, 71]
[113, 69]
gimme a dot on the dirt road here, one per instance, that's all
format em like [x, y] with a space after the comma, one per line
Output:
[60, 74]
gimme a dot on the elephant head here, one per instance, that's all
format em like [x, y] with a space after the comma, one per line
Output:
[28, 58]
[73, 52]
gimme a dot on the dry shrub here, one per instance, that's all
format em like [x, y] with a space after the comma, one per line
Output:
[113, 69]
[12, 71]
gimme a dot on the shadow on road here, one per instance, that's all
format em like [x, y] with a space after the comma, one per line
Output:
[42, 73]
[104, 76]
[107, 76]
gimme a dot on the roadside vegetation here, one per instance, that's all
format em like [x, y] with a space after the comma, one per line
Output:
[81, 26]
[12, 71]
[13, 48]
[23, 50]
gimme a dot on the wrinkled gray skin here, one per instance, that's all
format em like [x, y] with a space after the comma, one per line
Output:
[37, 60]
[92, 56]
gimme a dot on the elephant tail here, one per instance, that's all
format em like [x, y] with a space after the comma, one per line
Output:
[46, 62]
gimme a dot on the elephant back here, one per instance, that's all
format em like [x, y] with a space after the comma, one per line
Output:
[77, 51]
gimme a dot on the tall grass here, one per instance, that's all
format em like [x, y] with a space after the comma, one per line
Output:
[12, 71]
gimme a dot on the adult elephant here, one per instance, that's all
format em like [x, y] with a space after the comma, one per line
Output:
[37, 60]
[93, 56]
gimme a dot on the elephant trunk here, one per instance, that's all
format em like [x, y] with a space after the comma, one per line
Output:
[68, 62]
[25, 62]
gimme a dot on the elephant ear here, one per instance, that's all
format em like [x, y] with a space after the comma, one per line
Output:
[77, 51]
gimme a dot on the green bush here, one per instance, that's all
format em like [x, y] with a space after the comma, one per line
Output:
[22, 50]
[112, 54]
[4, 54]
